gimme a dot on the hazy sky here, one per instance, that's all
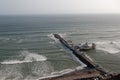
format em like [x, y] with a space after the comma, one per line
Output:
[59, 6]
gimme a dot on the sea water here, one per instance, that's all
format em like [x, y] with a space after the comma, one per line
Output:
[29, 51]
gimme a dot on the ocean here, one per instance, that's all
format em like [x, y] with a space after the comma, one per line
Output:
[28, 50]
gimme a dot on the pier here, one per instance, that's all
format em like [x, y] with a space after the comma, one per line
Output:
[92, 72]
[80, 55]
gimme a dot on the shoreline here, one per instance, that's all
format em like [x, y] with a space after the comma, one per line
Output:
[84, 74]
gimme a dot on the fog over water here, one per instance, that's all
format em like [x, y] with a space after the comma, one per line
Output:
[27, 7]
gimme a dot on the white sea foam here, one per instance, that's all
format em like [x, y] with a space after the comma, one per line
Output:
[59, 73]
[13, 72]
[69, 53]
[51, 42]
[14, 62]
[108, 46]
[10, 72]
[62, 72]
[33, 56]
[29, 57]
[52, 36]
[56, 41]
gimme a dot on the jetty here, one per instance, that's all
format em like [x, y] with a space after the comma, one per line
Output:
[92, 71]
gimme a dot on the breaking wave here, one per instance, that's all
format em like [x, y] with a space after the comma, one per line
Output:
[60, 73]
[52, 36]
[28, 57]
[110, 47]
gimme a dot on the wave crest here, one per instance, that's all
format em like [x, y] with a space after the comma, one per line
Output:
[108, 46]
[28, 57]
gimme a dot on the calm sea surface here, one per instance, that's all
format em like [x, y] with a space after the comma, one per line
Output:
[28, 50]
